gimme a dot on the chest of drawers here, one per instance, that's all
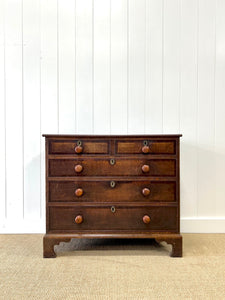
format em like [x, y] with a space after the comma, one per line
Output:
[112, 187]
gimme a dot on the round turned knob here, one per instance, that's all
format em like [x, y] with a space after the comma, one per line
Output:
[78, 168]
[79, 192]
[78, 219]
[145, 168]
[146, 191]
[145, 149]
[78, 149]
[146, 219]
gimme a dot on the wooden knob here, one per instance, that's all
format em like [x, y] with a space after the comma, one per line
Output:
[145, 149]
[78, 149]
[145, 168]
[146, 219]
[78, 168]
[146, 191]
[79, 192]
[78, 219]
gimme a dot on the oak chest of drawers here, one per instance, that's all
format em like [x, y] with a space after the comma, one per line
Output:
[112, 187]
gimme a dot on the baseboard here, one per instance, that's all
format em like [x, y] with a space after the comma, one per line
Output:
[202, 225]
[23, 227]
[188, 225]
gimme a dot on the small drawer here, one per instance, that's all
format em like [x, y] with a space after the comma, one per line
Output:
[112, 191]
[113, 217]
[78, 147]
[111, 167]
[146, 147]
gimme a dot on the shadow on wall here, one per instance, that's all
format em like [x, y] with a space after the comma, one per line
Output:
[34, 183]
[201, 180]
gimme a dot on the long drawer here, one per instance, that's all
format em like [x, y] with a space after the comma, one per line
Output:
[113, 218]
[112, 190]
[111, 167]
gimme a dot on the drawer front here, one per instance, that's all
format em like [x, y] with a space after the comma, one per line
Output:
[120, 167]
[111, 191]
[122, 218]
[78, 147]
[146, 147]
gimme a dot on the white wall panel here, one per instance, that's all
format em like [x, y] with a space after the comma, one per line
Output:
[14, 109]
[112, 66]
[101, 65]
[84, 66]
[2, 114]
[206, 108]
[66, 65]
[220, 108]
[188, 105]
[136, 66]
[118, 66]
[31, 100]
[49, 66]
[171, 66]
[154, 65]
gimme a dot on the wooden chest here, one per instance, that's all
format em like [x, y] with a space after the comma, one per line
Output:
[112, 187]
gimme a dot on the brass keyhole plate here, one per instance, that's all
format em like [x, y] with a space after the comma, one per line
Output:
[112, 184]
[79, 143]
[145, 143]
[113, 209]
[112, 161]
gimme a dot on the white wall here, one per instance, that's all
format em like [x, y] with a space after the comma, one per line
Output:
[112, 66]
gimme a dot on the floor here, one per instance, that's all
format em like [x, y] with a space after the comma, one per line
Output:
[112, 269]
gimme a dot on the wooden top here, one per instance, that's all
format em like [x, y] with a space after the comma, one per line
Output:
[111, 136]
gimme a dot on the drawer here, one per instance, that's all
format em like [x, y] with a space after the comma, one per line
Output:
[78, 147]
[107, 167]
[105, 218]
[111, 191]
[146, 147]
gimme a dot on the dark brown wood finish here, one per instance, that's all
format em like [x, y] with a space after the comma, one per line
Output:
[112, 187]
[78, 147]
[105, 167]
[112, 190]
[147, 146]
[113, 217]
[50, 240]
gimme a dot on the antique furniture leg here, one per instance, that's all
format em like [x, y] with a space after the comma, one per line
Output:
[49, 241]
[175, 241]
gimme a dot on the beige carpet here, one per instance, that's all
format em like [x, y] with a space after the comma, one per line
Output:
[112, 269]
